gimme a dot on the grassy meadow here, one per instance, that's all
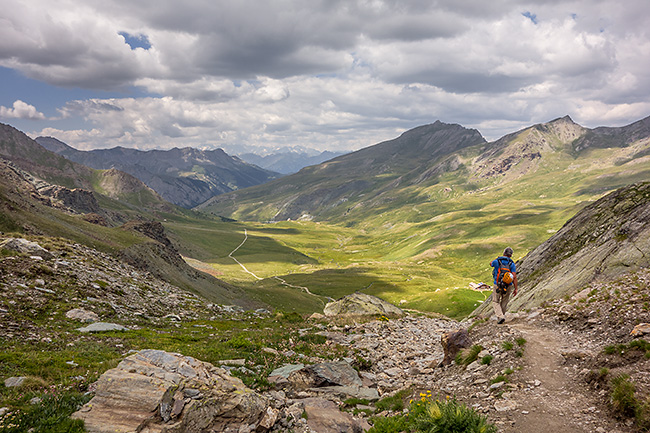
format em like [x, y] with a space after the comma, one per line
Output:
[419, 249]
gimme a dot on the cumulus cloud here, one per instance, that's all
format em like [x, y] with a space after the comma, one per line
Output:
[338, 74]
[21, 110]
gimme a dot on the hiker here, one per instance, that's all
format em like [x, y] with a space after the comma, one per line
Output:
[505, 280]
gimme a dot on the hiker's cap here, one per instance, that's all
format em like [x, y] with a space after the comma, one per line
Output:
[508, 252]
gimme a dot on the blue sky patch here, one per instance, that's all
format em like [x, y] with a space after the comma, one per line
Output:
[136, 41]
[531, 16]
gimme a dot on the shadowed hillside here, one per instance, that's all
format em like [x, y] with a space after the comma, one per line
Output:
[185, 177]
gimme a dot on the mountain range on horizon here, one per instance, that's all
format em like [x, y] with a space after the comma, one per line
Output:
[288, 162]
[183, 176]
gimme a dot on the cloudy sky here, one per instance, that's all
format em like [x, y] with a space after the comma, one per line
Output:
[325, 74]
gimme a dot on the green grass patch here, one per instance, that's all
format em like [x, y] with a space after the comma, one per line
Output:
[466, 357]
[427, 415]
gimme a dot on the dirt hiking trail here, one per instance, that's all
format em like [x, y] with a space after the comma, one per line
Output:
[559, 403]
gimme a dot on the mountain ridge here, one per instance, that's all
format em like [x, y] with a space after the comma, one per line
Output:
[183, 176]
[424, 156]
[349, 177]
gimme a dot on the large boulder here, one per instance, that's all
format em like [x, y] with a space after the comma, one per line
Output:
[360, 304]
[324, 416]
[26, 247]
[325, 374]
[154, 391]
[453, 342]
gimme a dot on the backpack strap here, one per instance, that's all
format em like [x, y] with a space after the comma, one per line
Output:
[500, 261]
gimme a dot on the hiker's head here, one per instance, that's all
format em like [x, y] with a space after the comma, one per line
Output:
[507, 252]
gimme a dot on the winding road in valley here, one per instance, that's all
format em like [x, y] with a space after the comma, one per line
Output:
[283, 282]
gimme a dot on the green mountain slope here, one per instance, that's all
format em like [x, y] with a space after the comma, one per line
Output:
[605, 240]
[110, 215]
[344, 186]
[418, 230]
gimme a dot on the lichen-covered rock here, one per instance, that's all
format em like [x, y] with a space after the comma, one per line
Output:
[156, 391]
[360, 304]
[325, 374]
[82, 315]
[27, 247]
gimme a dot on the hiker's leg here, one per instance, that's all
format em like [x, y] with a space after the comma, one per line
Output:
[505, 298]
[496, 303]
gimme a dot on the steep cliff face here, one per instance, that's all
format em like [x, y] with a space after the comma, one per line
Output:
[606, 239]
[519, 153]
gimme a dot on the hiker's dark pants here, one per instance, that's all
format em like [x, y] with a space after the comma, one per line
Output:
[500, 301]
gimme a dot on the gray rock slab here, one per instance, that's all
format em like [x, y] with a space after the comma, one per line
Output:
[102, 327]
[325, 374]
[345, 392]
[360, 304]
[12, 382]
[286, 370]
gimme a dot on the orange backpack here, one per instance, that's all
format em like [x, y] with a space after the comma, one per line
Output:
[504, 275]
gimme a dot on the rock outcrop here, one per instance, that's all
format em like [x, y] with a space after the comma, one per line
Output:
[155, 391]
[453, 342]
[606, 239]
[77, 199]
[360, 304]
[26, 247]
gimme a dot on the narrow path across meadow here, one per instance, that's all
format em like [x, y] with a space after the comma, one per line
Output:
[237, 261]
[283, 282]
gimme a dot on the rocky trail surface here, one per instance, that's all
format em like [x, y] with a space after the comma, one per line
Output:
[543, 390]
[545, 369]
[560, 402]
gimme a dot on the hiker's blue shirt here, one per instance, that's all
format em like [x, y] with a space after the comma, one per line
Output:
[495, 265]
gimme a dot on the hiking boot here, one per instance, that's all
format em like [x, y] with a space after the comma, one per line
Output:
[501, 320]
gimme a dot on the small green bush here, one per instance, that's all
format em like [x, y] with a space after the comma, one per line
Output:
[394, 402]
[240, 342]
[499, 378]
[622, 396]
[449, 417]
[507, 345]
[487, 359]
[429, 416]
[466, 357]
